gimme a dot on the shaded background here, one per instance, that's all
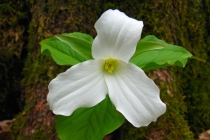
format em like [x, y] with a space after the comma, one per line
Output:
[25, 73]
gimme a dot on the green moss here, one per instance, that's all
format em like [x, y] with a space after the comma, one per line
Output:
[194, 78]
[39, 134]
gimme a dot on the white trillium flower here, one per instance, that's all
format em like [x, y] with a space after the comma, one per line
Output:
[86, 84]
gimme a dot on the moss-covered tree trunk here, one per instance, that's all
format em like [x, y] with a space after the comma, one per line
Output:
[25, 73]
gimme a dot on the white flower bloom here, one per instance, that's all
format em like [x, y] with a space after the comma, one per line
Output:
[86, 84]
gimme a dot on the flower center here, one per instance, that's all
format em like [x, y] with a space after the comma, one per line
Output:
[110, 64]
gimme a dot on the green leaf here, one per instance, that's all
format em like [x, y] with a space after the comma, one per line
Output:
[89, 123]
[81, 43]
[68, 49]
[81, 36]
[144, 46]
[160, 58]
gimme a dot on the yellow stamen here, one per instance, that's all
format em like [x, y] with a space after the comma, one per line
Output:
[110, 64]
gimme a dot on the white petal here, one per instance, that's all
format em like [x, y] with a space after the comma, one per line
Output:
[134, 94]
[117, 36]
[82, 85]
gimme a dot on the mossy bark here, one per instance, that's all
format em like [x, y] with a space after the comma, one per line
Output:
[185, 91]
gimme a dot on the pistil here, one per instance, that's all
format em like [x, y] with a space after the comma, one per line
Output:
[110, 65]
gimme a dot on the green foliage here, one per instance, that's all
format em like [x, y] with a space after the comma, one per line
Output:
[144, 46]
[160, 58]
[79, 44]
[90, 123]
[57, 49]
[68, 49]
